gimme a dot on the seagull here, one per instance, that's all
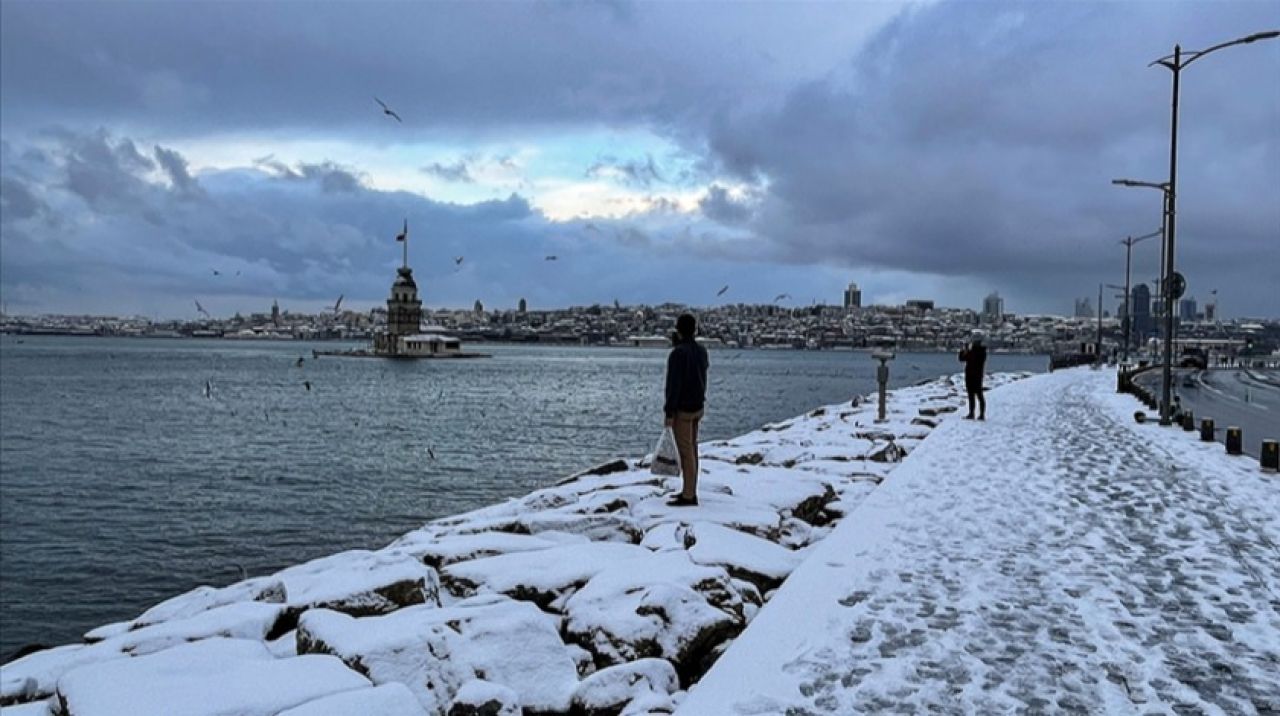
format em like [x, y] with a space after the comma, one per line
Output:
[208, 389]
[301, 360]
[388, 111]
[722, 290]
[431, 453]
[553, 257]
[307, 383]
[457, 260]
[781, 296]
[201, 309]
[216, 272]
[338, 304]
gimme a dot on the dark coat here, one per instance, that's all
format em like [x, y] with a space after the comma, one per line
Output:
[975, 364]
[686, 378]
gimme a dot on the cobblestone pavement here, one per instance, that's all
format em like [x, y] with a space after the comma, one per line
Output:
[1049, 560]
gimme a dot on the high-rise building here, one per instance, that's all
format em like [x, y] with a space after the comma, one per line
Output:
[1084, 308]
[1187, 309]
[852, 296]
[523, 306]
[993, 308]
[1143, 324]
[1211, 306]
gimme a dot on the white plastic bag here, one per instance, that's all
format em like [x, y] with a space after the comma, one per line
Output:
[666, 457]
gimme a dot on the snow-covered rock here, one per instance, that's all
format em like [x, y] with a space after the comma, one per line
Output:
[434, 651]
[259, 589]
[541, 577]
[384, 700]
[660, 605]
[204, 678]
[483, 698]
[35, 708]
[759, 561]
[35, 676]
[360, 583]
[443, 550]
[639, 687]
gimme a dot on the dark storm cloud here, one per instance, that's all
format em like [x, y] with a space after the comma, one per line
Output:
[960, 144]
[979, 139]
[175, 167]
[275, 230]
[717, 205]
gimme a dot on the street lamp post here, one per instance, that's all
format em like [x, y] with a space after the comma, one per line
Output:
[1128, 242]
[1175, 64]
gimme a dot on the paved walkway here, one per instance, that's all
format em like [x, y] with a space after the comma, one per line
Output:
[1058, 558]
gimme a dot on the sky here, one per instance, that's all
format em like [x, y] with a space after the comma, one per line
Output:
[157, 153]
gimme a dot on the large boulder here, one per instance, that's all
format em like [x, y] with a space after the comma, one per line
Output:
[212, 677]
[434, 651]
[443, 550]
[541, 577]
[638, 687]
[483, 698]
[359, 583]
[660, 605]
[745, 556]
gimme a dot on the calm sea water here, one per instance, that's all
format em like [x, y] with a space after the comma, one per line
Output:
[121, 483]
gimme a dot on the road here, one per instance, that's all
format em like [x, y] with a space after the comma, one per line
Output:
[1248, 399]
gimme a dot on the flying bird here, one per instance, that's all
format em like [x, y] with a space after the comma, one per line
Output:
[431, 453]
[457, 260]
[307, 383]
[208, 389]
[216, 272]
[201, 310]
[722, 290]
[388, 111]
[338, 304]
[553, 258]
[781, 296]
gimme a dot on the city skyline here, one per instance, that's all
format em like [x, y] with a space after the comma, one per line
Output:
[152, 155]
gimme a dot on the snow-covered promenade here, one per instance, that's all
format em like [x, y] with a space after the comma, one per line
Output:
[1058, 558]
[592, 597]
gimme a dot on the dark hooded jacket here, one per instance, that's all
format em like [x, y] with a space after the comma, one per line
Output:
[975, 364]
[686, 378]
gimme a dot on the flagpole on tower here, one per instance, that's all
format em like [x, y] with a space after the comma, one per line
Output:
[404, 239]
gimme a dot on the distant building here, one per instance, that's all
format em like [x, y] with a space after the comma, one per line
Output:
[478, 308]
[1143, 323]
[523, 307]
[403, 336]
[1187, 309]
[921, 305]
[1084, 308]
[275, 313]
[1211, 308]
[993, 308]
[852, 296]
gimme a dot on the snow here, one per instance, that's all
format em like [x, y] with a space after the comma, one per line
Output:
[640, 686]
[567, 586]
[385, 700]
[434, 651]
[35, 708]
[483, 697]
[360, 582]
[1057, 557]
[204, 678]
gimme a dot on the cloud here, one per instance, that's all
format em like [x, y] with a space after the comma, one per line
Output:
[175, 167]
[635, 172]
[719, 206]
[456, 172]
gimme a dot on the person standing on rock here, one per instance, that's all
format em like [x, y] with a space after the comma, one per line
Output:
[974, 358]
[686, 394]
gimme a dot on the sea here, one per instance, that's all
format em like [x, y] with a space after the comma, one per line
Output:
[134, 469]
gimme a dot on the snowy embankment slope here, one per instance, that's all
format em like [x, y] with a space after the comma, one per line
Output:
[1057, 558]
[592, 596]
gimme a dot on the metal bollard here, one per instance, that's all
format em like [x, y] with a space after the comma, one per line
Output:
[1235, 441]
[1206, 430]
[1270, 457]
[1188, 421]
